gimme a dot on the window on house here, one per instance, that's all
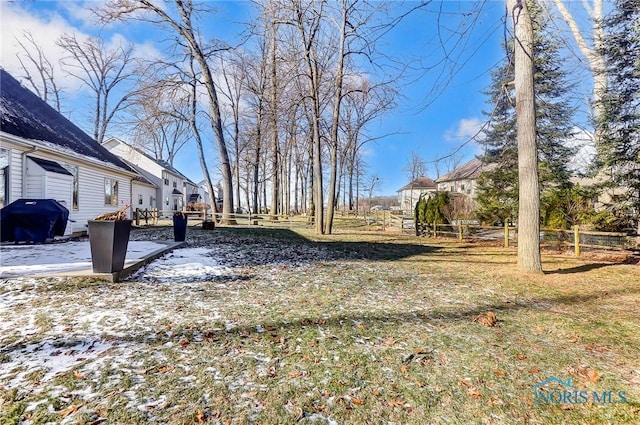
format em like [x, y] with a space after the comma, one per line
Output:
[175, 184]
[166, 181]
[140, 201]
[4, 177]
[110, 192]
[152, 201]
[166, 200]
[74, 170]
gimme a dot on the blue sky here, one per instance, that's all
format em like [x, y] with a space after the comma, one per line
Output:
[433, 125]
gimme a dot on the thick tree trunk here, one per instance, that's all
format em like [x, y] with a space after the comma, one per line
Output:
[529, 191]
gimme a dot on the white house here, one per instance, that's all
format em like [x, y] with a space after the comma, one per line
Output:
[173, 189]
[410, 194]
[463, 179]
[44, 155]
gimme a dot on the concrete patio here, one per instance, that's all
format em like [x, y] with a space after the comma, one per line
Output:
[73, 258]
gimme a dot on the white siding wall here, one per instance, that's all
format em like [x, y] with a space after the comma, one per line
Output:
[35, 187]
[91, 195]
[146, 192]
[15, 175]
[60, 188]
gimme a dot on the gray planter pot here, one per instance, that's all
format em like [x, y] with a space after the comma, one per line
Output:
[108, 240]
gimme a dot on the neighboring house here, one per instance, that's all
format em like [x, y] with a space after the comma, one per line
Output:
[144, 193]
[410, 194]
[44, 155]
[173, 189]
[203, 191]
[462, 179]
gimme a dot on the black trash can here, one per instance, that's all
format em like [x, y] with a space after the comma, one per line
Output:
[179, 227]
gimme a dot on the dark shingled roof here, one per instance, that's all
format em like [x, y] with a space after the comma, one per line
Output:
[419, 183]
[25, 115]
[52, 166]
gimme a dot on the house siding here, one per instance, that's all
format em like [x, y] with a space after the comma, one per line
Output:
[15, 175]
[48, 185]
[147, 192]
[166, 201]
[91, 195]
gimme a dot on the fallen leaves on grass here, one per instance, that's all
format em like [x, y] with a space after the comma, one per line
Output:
[585, 373]
[166, 369]
[69, 410]
[471, 390]
[297, 374]
[388, 341]
[487, 319]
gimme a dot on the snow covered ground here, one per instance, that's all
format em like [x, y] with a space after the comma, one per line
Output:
[25, 260]
[99, 334]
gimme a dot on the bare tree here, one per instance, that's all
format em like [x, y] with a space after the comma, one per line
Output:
[529, 189]
[415, 166]
[183, 27]
[44, 83]
[361, 105]
[159, 118]
[307, 19]
[234, 75]
[104, 71]
[452, 161]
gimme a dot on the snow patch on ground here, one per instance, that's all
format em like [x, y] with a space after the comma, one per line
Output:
[183, 265]
[20, 260]
[43, 361]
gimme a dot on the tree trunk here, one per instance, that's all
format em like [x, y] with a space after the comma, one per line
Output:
[529, 191]
[275, 145]
[193, 105]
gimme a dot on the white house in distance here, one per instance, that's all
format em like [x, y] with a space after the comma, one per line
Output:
[462, 179]
[45, 156]
[172, 190]
[410, 194]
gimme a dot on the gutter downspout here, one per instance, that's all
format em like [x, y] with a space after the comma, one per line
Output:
[24, 170]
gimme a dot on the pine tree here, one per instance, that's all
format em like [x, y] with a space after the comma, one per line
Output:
[497, 198]
[619, 150]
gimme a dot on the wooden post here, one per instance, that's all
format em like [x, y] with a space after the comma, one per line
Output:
[137, 216]
[506, 234]
[459, 230]
[576, 240]
[435, 230]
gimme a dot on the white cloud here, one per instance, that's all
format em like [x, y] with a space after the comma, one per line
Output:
[79, 11]
[45, 31]
[465, 129]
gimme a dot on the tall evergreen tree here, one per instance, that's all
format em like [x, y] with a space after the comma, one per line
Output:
[619, 149]
[497, 199]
